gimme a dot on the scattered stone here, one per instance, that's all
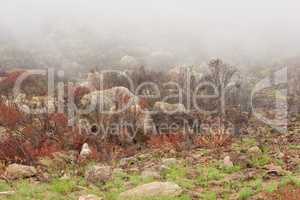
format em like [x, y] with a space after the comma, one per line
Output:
[46, 162]
[150, 190]
[133, 170]
[254, 150]
[192, 173]
[249, 174]
[273, 170]
[16, 171]
[98, 174]
[117, 171]
[196, 193]
[169, 162]
[65, 177]
[227, 162]
[150, 174]
[58, 161]
[190, 160]
[280, 155]
[172, 152]
[64, 157]
[143, 157]
[90, 197]
[43, 177]
[7, 193]
[238, 176]
[243, 161]
[3, 132]
[85, 151]
[163, 169]
[72, 155]
[126, 162]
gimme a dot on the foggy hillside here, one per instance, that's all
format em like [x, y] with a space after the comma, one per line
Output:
[156, 34]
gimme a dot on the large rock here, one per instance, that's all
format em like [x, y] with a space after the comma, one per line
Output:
[127, 162]
[16, 171]
[58, 161]
[274, 170]
[150, 190]
[169, 162]
[243, 161]
[85, 151]
[106, 100]
[167, 107]
[254, 151]
[90, 197]
[227, 162]
[166, 164]
[148, 173]
[98, 174]
[69, 157]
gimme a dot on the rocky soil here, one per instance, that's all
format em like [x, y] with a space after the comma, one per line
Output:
[260, 166]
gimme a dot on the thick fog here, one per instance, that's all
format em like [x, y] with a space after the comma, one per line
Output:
[156, 33]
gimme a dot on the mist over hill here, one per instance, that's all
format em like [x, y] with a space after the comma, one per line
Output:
[159, 35]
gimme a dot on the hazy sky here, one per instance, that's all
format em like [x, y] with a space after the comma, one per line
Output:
[191, 30]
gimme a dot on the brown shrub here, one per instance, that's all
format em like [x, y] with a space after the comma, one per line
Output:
[167, 141]
[213, 140]
[33, 85]
[79, 92]
[10, 116]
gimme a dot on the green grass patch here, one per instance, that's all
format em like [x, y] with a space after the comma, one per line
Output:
[209, 196]
[63, 186]
[272, 187]
[138, 180]
[230, 170]
[178, 174]
[289, 180]
[246, 193]
[261, 161]
[32, 191]
[208, 174]
[4, 186]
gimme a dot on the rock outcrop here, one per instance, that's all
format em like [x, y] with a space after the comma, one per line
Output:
[150, 190]
[98, 174]
[17, 171]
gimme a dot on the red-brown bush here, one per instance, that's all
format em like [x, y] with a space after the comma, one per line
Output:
[60, 120]
[79, 92]
[10, 116]
[10, 79]
[32, 85]
[213, 140]
[167, 141]
[15, 148]
[144, 103]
